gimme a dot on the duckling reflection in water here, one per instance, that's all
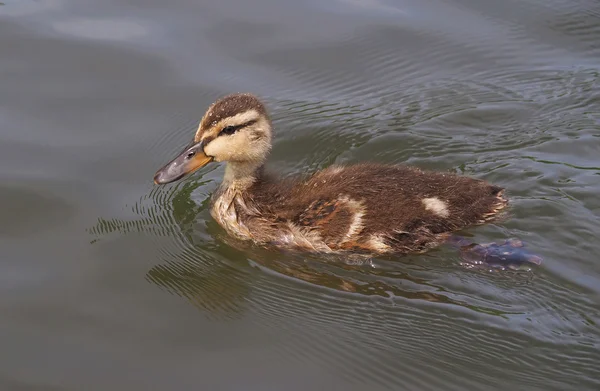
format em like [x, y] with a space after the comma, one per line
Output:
[367, 208]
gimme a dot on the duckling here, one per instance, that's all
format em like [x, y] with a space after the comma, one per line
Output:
[365, 208]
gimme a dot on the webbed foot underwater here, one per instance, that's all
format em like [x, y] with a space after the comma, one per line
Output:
[509, 255]
[366, 208]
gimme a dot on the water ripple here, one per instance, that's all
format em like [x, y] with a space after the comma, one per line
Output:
[504, 92]
[378, 327]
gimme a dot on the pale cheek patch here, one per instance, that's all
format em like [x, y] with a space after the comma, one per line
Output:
[218, 149]
[437, 206]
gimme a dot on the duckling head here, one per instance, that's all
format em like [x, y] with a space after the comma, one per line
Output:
[235, 129]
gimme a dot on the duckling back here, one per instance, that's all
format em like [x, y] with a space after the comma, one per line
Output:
[377, 208]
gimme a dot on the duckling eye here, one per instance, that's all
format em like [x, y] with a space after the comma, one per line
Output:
[229, 129]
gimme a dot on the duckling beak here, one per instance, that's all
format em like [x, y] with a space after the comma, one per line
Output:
[188, 161]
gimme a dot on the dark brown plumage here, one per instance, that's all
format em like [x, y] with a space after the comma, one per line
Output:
[392, 200]
[366, 208]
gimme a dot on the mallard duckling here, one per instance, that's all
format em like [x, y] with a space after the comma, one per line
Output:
[366, 208]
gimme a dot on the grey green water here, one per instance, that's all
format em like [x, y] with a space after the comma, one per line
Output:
[110, 283]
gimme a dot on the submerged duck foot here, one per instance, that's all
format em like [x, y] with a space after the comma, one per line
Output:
[509, 255]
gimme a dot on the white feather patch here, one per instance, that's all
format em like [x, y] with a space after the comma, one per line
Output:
[377, 243]
[436, 206]
[358, 212]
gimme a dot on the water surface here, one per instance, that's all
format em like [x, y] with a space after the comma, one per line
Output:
[109, 282]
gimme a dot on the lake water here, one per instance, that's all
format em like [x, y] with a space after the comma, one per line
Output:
[110, 283]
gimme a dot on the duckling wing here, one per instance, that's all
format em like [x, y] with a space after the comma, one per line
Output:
[389, 208]
[336, 219]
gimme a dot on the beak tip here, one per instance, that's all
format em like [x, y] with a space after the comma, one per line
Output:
[162, 178]
[157, 179]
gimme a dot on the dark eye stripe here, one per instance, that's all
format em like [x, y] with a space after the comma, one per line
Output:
[228, 130]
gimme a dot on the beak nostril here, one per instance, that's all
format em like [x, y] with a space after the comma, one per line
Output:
[190, 154]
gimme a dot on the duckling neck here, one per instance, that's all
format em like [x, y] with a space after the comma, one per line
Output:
[230, 206]
[240, 176]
